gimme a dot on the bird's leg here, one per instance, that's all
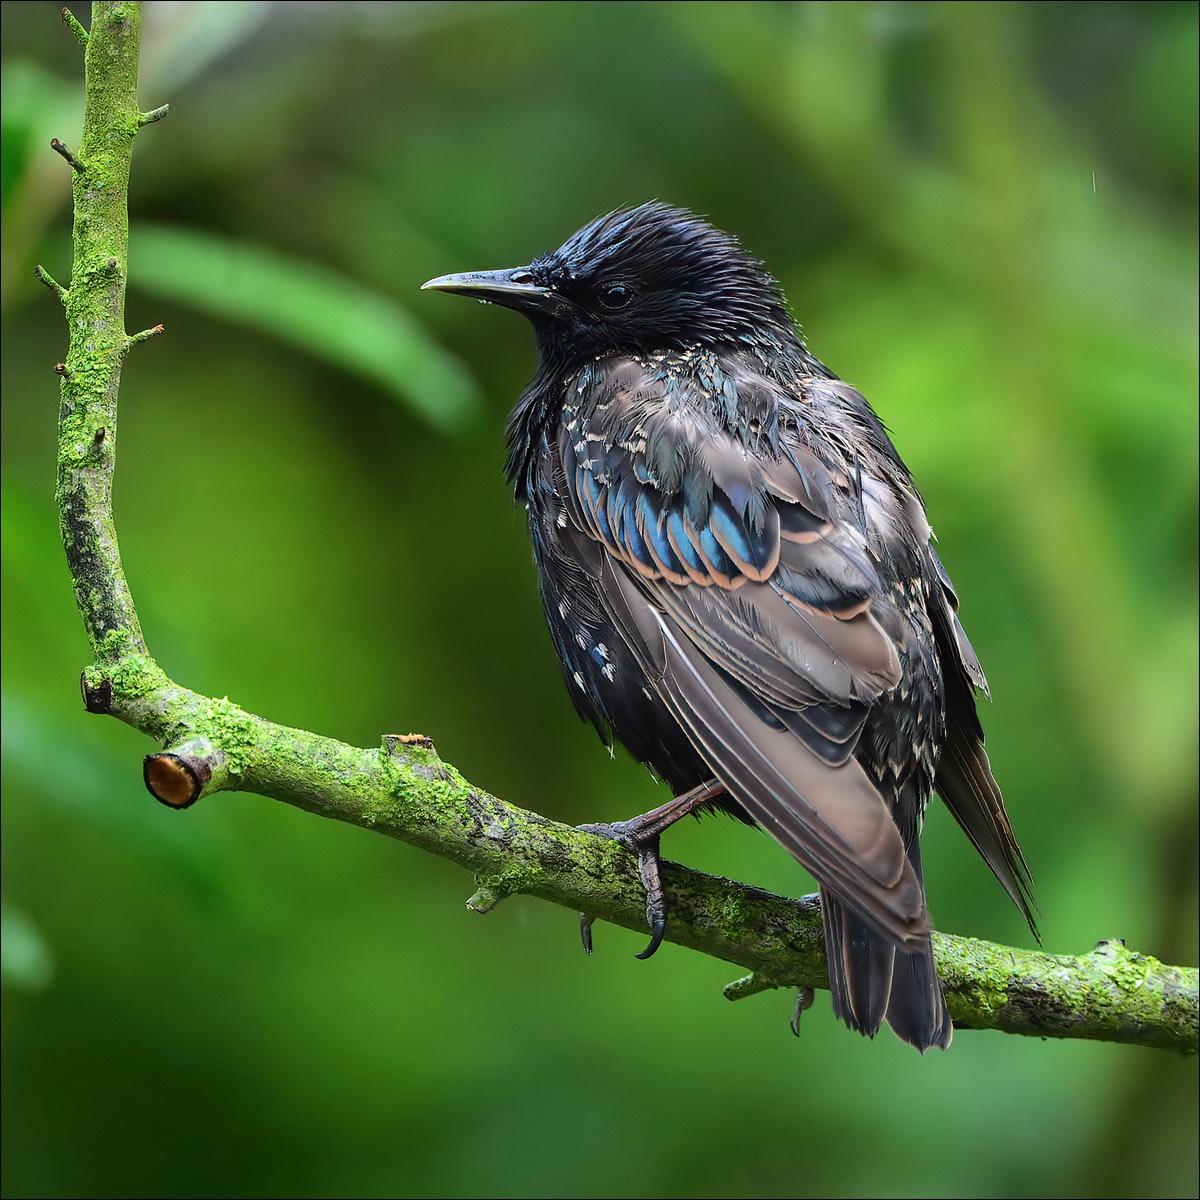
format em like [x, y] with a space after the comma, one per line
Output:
[641, 834]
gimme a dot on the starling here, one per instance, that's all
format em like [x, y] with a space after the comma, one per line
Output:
[736, 569]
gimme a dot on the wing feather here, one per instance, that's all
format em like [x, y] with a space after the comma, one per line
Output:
[749, 606]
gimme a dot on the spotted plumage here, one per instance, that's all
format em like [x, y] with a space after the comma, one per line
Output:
[737, 574]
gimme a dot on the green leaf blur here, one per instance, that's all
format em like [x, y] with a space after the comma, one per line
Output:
[314, 310]
[984, 215]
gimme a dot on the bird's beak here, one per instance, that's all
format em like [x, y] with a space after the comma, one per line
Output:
[513, 289]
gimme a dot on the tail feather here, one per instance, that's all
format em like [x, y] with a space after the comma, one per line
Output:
[873, 979]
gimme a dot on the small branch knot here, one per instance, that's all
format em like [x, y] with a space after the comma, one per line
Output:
[146, 335]
[45, 277]
[62, 148]
[72, 23]
[155, 114]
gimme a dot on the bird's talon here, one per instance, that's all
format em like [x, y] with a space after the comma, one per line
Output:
[645, 846]
[585, 931]
[804, 1001]
[658, 930]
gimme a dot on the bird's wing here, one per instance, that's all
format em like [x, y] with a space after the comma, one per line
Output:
[747, 598]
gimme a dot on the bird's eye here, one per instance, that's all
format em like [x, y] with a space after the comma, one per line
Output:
[615, 295]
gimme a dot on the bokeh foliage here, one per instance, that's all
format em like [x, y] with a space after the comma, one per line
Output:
[984, 215]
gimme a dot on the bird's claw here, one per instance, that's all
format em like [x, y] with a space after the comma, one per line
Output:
[658, 930]
[646, 849]
[804, 1001]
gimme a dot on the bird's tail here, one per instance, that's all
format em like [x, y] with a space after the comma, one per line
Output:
[873, 979]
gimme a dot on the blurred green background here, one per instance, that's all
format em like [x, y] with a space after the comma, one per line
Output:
[984, 216]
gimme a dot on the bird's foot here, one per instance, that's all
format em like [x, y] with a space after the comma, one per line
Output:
[640, 834]
[635, 836]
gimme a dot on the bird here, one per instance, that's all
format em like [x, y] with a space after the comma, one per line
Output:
[739, 578]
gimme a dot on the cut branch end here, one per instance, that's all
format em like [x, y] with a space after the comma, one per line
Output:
[171, 780]
[97, 697]
[748, 985]
[486, 898]
[180, 776]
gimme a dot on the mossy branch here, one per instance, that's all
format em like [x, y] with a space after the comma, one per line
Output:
[95, 311]
[402, 789]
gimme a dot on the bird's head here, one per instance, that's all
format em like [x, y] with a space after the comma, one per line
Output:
[639, 279]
